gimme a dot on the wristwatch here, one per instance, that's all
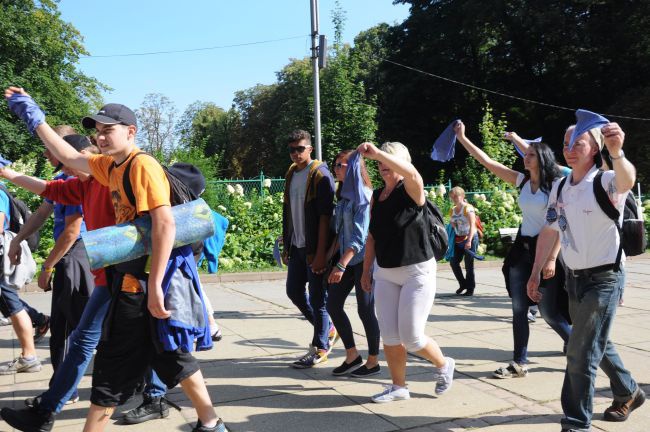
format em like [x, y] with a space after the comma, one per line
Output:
[622, 155]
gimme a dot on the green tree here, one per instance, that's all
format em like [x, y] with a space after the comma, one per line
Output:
[39, 51]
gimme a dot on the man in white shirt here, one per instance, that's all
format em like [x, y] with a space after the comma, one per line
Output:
[590, 248]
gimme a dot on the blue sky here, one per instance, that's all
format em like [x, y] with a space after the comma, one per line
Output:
[138, 26]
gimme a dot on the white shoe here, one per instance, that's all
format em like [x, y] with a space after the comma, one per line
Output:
[445, 376]
[391, 393]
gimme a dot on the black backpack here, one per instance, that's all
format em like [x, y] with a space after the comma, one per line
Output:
[437, 231]
[632, 232]
[180, 191]
[19, 213]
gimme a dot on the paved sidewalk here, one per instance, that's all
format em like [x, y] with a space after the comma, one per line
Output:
[253, 388]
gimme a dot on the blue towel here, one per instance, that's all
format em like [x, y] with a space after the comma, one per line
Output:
[527, 141]
[27, 110]
[212, 245]
[4, 162]
[585, 121]
[450, 244]
[353, 188]
[277, 255]
[445, 146]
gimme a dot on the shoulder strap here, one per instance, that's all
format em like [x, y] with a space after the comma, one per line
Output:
[126, 179]
[559, 188]
[603, 200]
[523, 182]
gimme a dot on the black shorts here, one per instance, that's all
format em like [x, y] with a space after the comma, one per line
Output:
[122, 360]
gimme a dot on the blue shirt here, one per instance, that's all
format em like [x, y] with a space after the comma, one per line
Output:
[62, 211]
[5, 208]
[352, 222]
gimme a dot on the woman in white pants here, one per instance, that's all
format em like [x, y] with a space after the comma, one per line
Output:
[404, 272]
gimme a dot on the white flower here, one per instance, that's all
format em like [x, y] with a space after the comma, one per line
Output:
[432, 194]
[268, 200]
[222, 208]
[239, 189]
[441, 190]
[230, 189]
[517, 219]
[233, 227]
[267, 183]
[248, 205]
[481, 249]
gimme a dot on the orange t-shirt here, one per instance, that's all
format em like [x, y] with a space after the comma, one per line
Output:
[148, 181]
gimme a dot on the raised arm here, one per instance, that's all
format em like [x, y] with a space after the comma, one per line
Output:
[32, 184]
[498, 169]
[412, 179]
[33, 115]
[625, 174]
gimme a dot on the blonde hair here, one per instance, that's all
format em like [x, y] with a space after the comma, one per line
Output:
[397, 149]
[457, 191]
[64, 130]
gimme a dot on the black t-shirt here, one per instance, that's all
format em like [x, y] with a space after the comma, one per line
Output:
[399, 227]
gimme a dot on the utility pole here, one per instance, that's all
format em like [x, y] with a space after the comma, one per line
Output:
[314, 63]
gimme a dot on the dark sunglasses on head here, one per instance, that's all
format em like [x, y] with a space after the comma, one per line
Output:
[297, 149]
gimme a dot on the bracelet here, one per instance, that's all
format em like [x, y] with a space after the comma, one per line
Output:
[47, 269]
[340, 266]
[617, 158]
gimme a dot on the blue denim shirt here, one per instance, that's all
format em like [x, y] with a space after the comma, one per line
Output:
[352, 222]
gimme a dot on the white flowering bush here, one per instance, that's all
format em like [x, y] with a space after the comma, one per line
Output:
[499, 210]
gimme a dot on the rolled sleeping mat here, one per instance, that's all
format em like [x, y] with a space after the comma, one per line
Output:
[131, 240]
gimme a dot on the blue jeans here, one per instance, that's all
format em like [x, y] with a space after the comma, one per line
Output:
[336, 296]
[519, 274]
[153, 386]
[312, 304]
[82, 342]
[466, 281]
[593, 300]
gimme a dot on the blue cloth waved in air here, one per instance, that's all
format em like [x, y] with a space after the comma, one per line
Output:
[212, 245]
[527, 141]
[4, 162]
[184, 299]
[354, 189]
[585, 121]
[27, 110]
[445, 146]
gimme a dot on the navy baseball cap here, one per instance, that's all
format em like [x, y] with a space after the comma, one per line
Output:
[111, 114]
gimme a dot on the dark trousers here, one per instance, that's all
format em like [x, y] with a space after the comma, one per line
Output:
[311, 302]
[336, 296]
[467, 281]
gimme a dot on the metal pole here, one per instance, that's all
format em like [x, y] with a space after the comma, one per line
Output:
[314, 62]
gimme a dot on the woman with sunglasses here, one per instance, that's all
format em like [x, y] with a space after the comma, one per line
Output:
[351, 224]
[404, 269]
[540, 169]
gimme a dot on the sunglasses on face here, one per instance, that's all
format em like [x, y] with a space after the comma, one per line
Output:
[340, 165]
[297, 149]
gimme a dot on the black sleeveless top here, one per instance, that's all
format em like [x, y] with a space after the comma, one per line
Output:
[400, 229]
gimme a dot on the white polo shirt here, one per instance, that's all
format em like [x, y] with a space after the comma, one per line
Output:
[590, 238]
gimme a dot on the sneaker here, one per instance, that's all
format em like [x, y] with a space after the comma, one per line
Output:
[311, 360]
[364, 372]
[4, 321]
[72, 400]
[347, 368]
[19, 364]
[391, 393]
[531, 317]
[332, 338]
[42, 330]
[445, 376]
[149, 409]
[28, 419]
[620, 411]
[312, 350]
[219, 427]
[217, 335]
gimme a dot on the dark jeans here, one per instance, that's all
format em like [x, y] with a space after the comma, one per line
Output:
[312, 304]
[519, 274]
[467, 282]
[336, 296]
[38, 318]
[593, 299]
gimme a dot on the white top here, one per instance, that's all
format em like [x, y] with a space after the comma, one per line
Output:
[533, 208]
[459, 221]
[590, 238]
[297, 192]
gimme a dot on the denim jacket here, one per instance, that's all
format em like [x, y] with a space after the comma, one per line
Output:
[352, 222]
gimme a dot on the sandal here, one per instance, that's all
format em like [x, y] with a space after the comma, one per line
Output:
[513, 370]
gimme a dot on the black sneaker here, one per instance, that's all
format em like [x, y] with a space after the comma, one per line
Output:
[363, 372]
[346, 368]
[31, 419]
[41, 330]
[149, 409]
[219, 427]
